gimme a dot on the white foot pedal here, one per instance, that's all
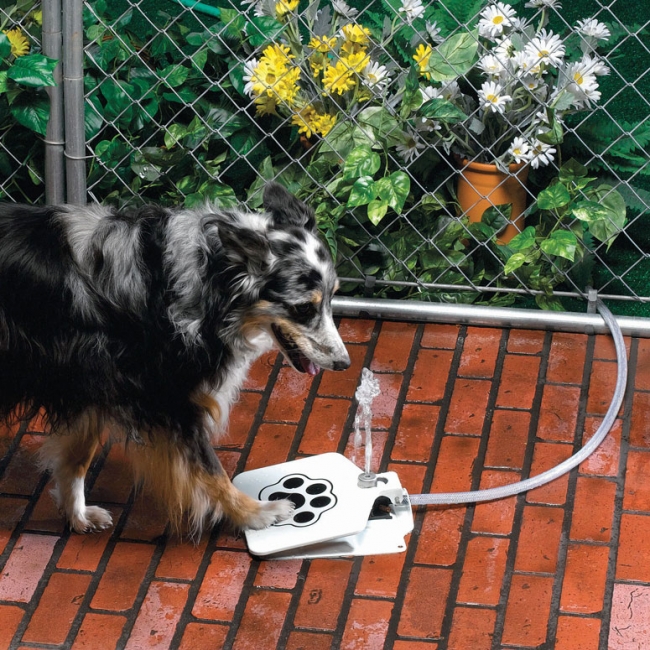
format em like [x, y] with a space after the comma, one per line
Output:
[334, 516]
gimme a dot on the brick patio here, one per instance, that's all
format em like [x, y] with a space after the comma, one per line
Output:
[564, 567]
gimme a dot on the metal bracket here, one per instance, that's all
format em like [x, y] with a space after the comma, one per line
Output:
[369, 286]
[592, 298]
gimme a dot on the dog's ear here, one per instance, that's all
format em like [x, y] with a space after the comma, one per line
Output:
[245, 244]
[286, 209]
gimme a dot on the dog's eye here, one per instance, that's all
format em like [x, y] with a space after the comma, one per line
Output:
[304, 309]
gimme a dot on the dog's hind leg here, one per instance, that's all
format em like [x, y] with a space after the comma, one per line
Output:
[68, 453]
[187, 477]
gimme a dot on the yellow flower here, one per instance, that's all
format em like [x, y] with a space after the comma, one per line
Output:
[18, 41]
[317, 61]
[338, 78]
[303, 120]
[265, 105]
[322, 44]
[323, 123]
[356, 34]
[284, 7]
[277, 56]
[37, 16]
[357, 61]
[421, 57]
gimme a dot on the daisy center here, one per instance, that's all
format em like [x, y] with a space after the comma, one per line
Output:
[493, 99]
[543, 53]
[578, 78]
[497, 20]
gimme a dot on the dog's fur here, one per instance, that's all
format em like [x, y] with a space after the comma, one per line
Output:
[146, 322]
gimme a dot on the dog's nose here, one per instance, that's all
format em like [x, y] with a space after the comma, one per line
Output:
[341, 365]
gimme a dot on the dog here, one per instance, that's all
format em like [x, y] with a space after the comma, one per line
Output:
[144, 322]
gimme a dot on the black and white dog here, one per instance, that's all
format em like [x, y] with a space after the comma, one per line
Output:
[145, 322]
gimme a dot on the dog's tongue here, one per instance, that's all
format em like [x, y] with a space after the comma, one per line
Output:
[309, 366]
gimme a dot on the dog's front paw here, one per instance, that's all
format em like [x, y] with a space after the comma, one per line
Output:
[92, 519]
[271, 512]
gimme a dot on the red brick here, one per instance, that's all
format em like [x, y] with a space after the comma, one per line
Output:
[115, 480]
[278, 574]
[577, 633]
[181, 559]
[439, 336]
[559, 413]
[546, 456]
[146, 520]
[480, 351]
[527, 611]
[384, 405]
[271, 445]
[424, 603]
[358, 454]
[83, 552]
[39, 423]
[430, 376]
[308, 641]
[11, 512]
[158, 616]
[526, 341]
[99, 632]
[322, 594]
[455, 463]
[637, 486]
[203, 636]
[593, 509]
[122, 577]
[10, 618]
[601, 387]
[414, 645]
[642, 374]
[495, 517]
[483, 571]
[260, 371]
[411, 476]
[263, 619]
[344, 383]
[640, 423]
[567, 358]
[440, 535]
[23, 473]
[240, 420]
[379, 575]
[518, 381]
[539, 539]
[585, 576]
[416, 432]
[64, 594]
[356, 330]
[325, 426]
[25, 566]
[222, 586]
[393, 347]
[633, 560]
[472, 628]
[288, 397]
[467, 408]
[46, 517]
[604, 461]
[604, 347]
[507, 442]
[366, 625]
[630, 620]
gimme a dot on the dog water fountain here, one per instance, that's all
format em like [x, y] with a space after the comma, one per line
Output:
[342, 511]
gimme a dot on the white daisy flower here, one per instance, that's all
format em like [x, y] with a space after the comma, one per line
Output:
[412, 9]
[594, 28]
[375, 76]
[434, 32]
[595, 65]
[494, 19]
[555, 4]
[343, 9]
[491, 65]
[249, 73]
[541, 154]
[450, 90]
[582, 84]
[427, 125]
[520, 150]
[504, 49]
[491, 97]
[518, 24]
[429, 92]
[526, 64]
[547, 47]
[531, 82]
[411, 147]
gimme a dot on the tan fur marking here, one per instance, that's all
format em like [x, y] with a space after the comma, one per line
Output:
[208, 403]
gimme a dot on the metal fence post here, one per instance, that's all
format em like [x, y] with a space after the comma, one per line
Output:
[73, 88]
[54, 137]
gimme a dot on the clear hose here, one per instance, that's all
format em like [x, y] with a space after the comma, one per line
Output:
[567, 465]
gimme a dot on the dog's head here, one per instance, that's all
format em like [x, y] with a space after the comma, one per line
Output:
[295, 280]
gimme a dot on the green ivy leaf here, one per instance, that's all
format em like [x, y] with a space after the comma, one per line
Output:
[377, 210]
[588, 211]
[571, 170]
[442, 110]
[394, 189]
[262, 29]
[174, 75]
[3, 82]
[497, 217]
[93, 119]
[33, 70]
[5, 46]
[524, 240]
[562, 243]
[454, 57]
[361, 161]
[555, 196]
[362, 192]
[514, 262]
[550, 303]
[34, 115]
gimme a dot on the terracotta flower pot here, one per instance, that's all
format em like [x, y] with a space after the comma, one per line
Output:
[481, 186]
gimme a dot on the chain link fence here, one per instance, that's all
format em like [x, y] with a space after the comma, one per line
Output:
[373, 112]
